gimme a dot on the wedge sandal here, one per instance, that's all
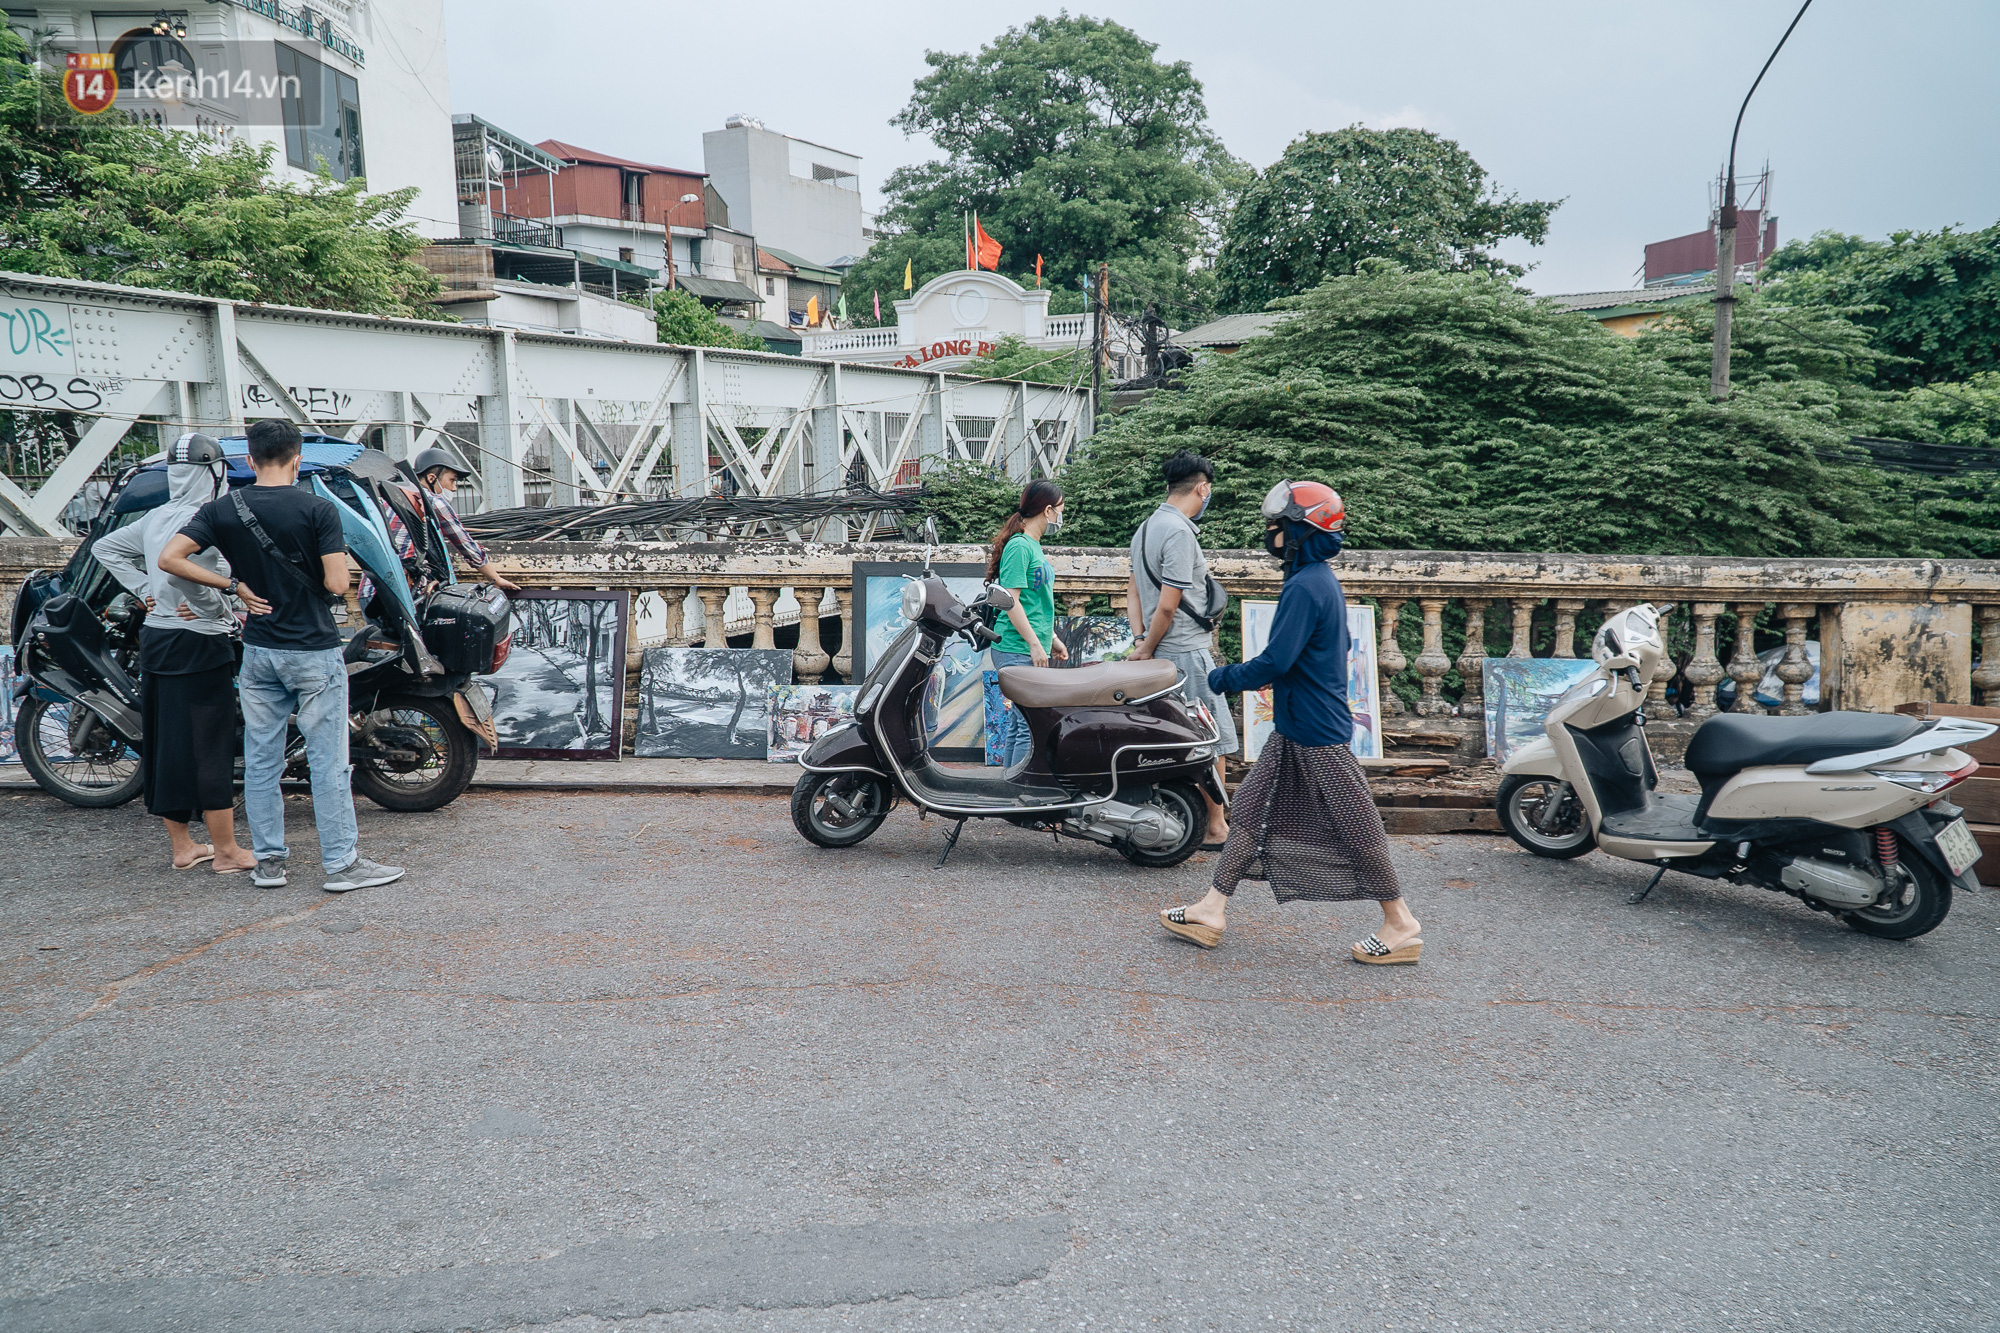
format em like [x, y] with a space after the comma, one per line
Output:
[1176, 922]
[1372, 950]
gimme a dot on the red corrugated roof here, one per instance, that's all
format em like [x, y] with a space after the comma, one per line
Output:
[569, 152]
[767, 260]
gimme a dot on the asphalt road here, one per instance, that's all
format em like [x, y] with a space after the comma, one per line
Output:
[653, 1059]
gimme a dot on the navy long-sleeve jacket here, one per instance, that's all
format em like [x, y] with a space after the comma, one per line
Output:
[1305, 661]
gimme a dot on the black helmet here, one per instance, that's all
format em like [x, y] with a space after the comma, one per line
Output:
[436, 457]
[196, 449]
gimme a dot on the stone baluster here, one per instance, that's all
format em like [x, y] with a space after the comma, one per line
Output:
[1566, 609]
[1076, 603]
[763, 633]
[1987, 678]
[1472, 659]
[711, 608]
[808, 659]
[843, 661]
[1524, 623]
[1744, 668]
[674, 600]
[1389, 659]
[1663, 674]
[1431, 661]
[1796, 668]
[1704, 669]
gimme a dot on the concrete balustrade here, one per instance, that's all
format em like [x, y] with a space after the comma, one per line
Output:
[1890, 631]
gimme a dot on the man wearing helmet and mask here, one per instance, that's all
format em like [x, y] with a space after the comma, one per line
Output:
[439, 472]
[187, 661]
[1304, 819]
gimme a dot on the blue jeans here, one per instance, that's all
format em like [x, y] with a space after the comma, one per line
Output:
[273, 685]
[1016, 740]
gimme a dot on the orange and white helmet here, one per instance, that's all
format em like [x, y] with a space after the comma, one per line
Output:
[1305, 502]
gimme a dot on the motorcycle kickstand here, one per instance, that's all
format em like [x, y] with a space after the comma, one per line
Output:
[950, 841]
[1640, 896]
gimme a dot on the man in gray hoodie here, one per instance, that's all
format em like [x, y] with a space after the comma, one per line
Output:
[187, 661]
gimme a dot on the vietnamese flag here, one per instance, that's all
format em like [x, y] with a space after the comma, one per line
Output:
[986, 250]
[1038, 270]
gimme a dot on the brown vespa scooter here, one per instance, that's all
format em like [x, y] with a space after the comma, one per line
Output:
[1120, 755]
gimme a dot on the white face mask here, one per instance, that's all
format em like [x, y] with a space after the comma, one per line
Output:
[1055, 520]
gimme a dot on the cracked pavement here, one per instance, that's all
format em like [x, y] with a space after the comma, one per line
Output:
[652, 1062]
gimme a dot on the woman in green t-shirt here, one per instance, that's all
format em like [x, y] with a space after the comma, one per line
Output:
[1027, 637]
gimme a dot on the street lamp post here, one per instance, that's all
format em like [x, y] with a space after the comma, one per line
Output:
[1725, 236]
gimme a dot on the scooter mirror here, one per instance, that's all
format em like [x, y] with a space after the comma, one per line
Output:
[999, 598]
[930, 532]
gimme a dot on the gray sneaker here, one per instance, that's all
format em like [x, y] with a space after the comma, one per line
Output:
[269, 874]
[361, 873]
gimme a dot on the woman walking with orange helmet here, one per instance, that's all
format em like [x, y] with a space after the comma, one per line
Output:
[1304, 819]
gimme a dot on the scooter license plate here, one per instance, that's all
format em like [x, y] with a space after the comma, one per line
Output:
[1960, 848]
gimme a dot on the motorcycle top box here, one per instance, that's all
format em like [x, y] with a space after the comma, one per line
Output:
[468, 627]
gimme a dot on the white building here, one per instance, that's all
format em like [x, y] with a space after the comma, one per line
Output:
[788, 193]
[957, 316]
[356, 86]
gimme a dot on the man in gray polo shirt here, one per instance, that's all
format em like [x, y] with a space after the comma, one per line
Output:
[1173, 605]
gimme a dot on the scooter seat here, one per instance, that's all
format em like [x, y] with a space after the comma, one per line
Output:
[1731, 742]
[1101, 684]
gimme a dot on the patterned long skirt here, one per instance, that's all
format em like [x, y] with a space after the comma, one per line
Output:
[1304, 820]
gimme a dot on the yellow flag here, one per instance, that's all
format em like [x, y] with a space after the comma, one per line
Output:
[812, 311]
[907, 283]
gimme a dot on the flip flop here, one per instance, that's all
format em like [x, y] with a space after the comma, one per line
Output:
[1176, 922]
[200, 857]
[1372, 950]
[1214, 846]
[232, 870]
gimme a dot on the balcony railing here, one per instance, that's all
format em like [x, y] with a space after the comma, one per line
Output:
[526, 231]
[1067, 328]
[848, 340]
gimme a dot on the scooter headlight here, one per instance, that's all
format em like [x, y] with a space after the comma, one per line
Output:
[913, 600]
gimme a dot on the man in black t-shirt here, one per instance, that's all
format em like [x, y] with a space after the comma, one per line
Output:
[289, 562]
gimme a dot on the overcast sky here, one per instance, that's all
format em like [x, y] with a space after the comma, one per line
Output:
[1876, 116]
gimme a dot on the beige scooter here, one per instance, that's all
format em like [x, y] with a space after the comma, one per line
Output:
[1839, 809]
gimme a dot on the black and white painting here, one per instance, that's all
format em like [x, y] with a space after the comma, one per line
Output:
[708, 703]
[561, 692]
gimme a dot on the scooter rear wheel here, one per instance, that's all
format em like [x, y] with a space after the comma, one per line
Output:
[1557, 834]
[1184, 803]
[838, 809]
[1918, 908]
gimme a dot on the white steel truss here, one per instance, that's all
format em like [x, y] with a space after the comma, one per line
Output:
[623, 420]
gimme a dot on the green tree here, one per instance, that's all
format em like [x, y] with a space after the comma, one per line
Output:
[106, 200]
[1454, 411]
[1071, 141]
[969, 500]
[1932, 298]
[686, 322]
[1335, 200]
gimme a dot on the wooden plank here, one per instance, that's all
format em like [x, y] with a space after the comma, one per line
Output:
[1980, 796]
[1434, 819]
[1406, 768]
[1986, 751]
[1988, 838]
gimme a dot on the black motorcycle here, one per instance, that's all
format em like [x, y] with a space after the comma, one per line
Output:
[415, 716]
[1120, 756]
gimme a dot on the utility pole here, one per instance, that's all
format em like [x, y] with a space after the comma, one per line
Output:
[1725, 235]
[1100, 354]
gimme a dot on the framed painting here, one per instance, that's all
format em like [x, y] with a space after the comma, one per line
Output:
[7, 752]
[954, 700]
[1364, 699]
[1095, 639]
[801, 714]
[708, 703]
[561, 692]
[1520, 694]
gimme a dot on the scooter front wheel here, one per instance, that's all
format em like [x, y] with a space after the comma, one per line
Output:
[1544, 816]
[838, 809]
